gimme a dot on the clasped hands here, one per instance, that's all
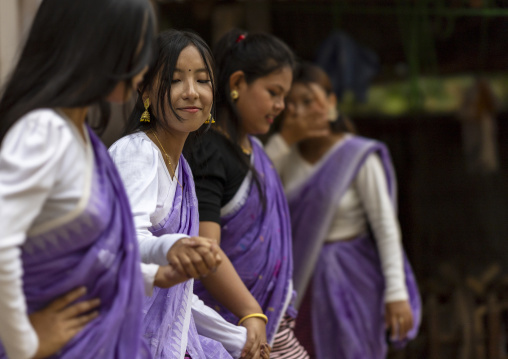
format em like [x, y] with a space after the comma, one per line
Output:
[194, 257]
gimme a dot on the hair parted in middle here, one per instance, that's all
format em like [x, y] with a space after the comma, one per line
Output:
[170, 44]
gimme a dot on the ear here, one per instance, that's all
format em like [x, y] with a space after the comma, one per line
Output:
[333, 112]
[236, 80]
[140, 94]
[332, 100]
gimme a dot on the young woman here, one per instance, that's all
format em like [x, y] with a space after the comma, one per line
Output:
[241, 200]
[176, 98]
[65, 218]
[346, 239]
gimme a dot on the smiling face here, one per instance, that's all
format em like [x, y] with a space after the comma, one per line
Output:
[191, 93]
[262, 100]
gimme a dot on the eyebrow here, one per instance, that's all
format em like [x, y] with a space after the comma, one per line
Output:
[281, 88]
[198, 70]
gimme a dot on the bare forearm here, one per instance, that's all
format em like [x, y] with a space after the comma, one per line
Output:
[225, 285]
[227, 288]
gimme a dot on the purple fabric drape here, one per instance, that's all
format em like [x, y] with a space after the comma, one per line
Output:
[258, 243]
[97, 249]
[168, 324]
[348, 284]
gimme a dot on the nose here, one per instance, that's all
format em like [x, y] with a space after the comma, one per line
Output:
[299, 108]
[190, 91]
[279, 104]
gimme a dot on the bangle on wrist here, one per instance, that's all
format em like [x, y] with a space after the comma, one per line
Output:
[254, 315]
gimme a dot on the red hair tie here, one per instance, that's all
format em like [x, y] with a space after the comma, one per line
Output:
[240, 38]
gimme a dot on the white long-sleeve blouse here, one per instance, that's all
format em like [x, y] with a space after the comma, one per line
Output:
[151, 190]
[366, 202]
[45, 172]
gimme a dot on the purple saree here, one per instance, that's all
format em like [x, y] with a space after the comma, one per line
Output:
[258, 243]
[168, 323]
[347, 302]
[96, 248]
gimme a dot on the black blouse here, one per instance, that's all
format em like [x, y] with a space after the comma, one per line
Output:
[218, 173]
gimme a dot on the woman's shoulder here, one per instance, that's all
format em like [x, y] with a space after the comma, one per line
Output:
[41, 140]
[136, 147]
[41, 130]
[362, 140]
[44, 120]
[212, 139]
[134, 142]
[208, 148]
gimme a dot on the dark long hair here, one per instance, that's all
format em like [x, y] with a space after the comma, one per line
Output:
[76, 53]
[170, 44]
[257, 55]
[306, 74]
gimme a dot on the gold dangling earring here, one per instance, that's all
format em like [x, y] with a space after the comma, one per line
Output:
[234, 95]
[145, 116]
[210, 119]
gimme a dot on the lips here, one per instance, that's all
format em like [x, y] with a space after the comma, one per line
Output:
[189, 109]
[269, 119]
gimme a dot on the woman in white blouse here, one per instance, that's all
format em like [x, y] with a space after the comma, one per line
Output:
[176, 98]
[347, 247]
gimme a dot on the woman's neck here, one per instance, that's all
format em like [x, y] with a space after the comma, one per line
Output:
[170, 142]
[245, 142]
[242, 137]
[78, 116]
[313, 149]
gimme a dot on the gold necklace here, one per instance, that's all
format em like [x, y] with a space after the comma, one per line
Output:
[247, 151]
[167, 158]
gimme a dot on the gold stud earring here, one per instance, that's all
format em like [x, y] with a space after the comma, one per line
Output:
[145, 116]
[234, 95]
[210, 119]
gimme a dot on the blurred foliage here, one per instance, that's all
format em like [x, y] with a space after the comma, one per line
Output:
[437, 95]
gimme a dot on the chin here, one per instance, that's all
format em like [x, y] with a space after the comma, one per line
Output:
[264, 130]
[193, 125]
[258, 129]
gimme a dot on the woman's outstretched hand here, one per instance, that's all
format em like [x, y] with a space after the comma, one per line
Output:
[399, 319]
[61, 321]
[256, 345]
